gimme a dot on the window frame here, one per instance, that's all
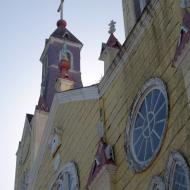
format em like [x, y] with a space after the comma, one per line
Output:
[158, 181]
[176, 158]
[71, 57]
[134, 164]
[62, 177]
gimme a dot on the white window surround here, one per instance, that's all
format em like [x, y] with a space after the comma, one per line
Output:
[71, 57]
[134, 163]
[157, 183]
[67, 176]
[175, 158]
[71, 60]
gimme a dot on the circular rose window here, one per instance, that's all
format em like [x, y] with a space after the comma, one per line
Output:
[147, 124]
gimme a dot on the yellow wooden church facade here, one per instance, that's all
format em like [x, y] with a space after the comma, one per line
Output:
[130, 131]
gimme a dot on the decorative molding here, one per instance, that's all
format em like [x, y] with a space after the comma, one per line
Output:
[157, 183]
[67, 176]
[56, 162]
[104, 160]
[183, 45]
[100, 129]
[86, 93]
[134, 163]
[52, 40]
[175, 158]
[105, 176]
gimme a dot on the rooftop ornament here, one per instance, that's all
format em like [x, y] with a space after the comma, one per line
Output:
[112, 27]
[61, 22]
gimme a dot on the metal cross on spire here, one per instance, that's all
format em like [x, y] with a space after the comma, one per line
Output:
[112, 27]
[60, 9]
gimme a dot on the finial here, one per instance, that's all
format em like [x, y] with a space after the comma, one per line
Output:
[61, 22]
[60, 9]
[112, 27]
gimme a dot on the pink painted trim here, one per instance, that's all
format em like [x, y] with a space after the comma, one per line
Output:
[102, 161]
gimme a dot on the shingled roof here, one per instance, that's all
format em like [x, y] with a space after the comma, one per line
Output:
[63, 33]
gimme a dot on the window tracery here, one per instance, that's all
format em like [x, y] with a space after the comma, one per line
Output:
[177, 175]
[146, 124]
[157, 183]
[67, 179]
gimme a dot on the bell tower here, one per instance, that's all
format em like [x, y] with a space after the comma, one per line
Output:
[61, 44]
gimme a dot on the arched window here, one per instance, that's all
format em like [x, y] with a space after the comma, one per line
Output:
[157, 183]
[70, 58]
[146, 124]
[177, 172]
[67, 179]
[44, 70]
[65, 52]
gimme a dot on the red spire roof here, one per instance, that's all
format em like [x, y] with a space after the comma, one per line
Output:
[113, 42]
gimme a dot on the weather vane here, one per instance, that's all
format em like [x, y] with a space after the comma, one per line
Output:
[60, 9]
[112, 27]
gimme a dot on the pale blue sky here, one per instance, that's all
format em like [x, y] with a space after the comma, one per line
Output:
[24, 26]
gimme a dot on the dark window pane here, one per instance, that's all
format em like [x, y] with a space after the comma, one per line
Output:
[161, 114]
[137, 9]
[143, 109]
[155, 140]
[139, 120]
[148, 150]
[179, 182]
[148, 101]
[136, 134]
[141, 154]
[159, 127]
[156, 93]
[160, 102]
[138, 144]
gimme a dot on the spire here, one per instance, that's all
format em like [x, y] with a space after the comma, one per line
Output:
[110, 48]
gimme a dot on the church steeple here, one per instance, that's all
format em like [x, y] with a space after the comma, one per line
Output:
[110, 48]
[60, 42]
